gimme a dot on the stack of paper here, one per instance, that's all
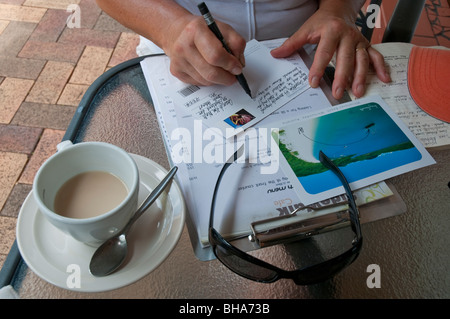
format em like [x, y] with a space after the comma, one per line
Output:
[430, 131]
[202, 127]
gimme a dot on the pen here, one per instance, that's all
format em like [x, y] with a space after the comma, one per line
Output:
[215, 29]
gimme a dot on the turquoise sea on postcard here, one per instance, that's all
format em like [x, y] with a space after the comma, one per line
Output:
[363, 141]
[317, 183]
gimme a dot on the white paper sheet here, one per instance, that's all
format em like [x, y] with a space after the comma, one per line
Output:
[251, 196]
[429, 130]
[246, 195]
[273, 83]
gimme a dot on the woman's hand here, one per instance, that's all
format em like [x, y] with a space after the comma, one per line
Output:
[334, 30]
[198, 57]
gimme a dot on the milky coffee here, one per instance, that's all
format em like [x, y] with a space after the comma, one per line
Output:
[89, 194]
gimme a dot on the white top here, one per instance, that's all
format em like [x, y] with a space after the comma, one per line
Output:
[252, 19]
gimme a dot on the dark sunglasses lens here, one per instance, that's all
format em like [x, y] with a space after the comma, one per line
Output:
[244, 267]
[328, 269]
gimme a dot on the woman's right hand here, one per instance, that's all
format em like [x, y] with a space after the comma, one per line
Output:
[198, 57]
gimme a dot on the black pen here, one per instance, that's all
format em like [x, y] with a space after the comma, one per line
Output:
[215, 29]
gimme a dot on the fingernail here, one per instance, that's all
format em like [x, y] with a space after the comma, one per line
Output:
[388, 76]
[315, 81]
[236, 71]
[242, 60]
[339, 92]
[360, 89]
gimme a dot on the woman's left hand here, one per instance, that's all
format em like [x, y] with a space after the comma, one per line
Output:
[335, 32]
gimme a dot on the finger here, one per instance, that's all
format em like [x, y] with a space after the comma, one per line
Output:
[345, 64]
[290, 46]
[324, 53]
[199, 60]
[207, 74]
[186, 73]
[188, 78]
[182, 66]
[213, 52]
[212, 74]
[379, 65]
[236, 43]
[184, 55]
[361, 70]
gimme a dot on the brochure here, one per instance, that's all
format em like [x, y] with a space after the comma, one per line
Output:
[365, 138]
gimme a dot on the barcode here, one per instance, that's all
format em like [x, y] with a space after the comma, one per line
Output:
[189, 90]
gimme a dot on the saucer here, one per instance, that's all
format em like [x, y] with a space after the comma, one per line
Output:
[64, 262]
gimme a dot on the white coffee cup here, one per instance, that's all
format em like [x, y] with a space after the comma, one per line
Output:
[73, 159]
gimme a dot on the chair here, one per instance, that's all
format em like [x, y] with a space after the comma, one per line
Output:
[401, 26]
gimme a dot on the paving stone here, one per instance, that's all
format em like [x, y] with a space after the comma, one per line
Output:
[424, 27]
[91, 65]
[15, 200]
[45, 148]
[444, 39]
[51, 25]
[19, 139]
[16, 2]
[424, 41]
[443, 12]
[444, 21]
[20, 67]
[107, 39]
[13, 38]
[125, 49]
[11, 165]
[52, 4]
[53, 51]
[12, 92]
[44, 115]
[21, 13]
[50, 82]
[7, 234]
[3, 24]
[72, 94]
[89, 13]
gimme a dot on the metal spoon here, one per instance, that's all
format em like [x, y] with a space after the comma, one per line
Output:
[112, 253]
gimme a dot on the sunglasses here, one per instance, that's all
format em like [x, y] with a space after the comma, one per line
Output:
[258, 270]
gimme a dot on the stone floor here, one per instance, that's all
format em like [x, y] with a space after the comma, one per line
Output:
[432, 29]
[46, 64]
[45, 68]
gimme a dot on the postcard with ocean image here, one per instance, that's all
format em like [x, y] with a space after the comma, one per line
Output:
[364, 138]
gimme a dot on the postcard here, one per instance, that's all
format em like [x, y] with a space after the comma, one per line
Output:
[273, 83]
[364, 138]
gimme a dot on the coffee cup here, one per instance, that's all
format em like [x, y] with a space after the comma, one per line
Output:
[88, 190]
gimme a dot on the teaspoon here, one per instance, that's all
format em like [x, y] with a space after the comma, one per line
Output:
[112, 253]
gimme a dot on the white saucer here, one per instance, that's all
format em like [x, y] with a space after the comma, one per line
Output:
[56, 257]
